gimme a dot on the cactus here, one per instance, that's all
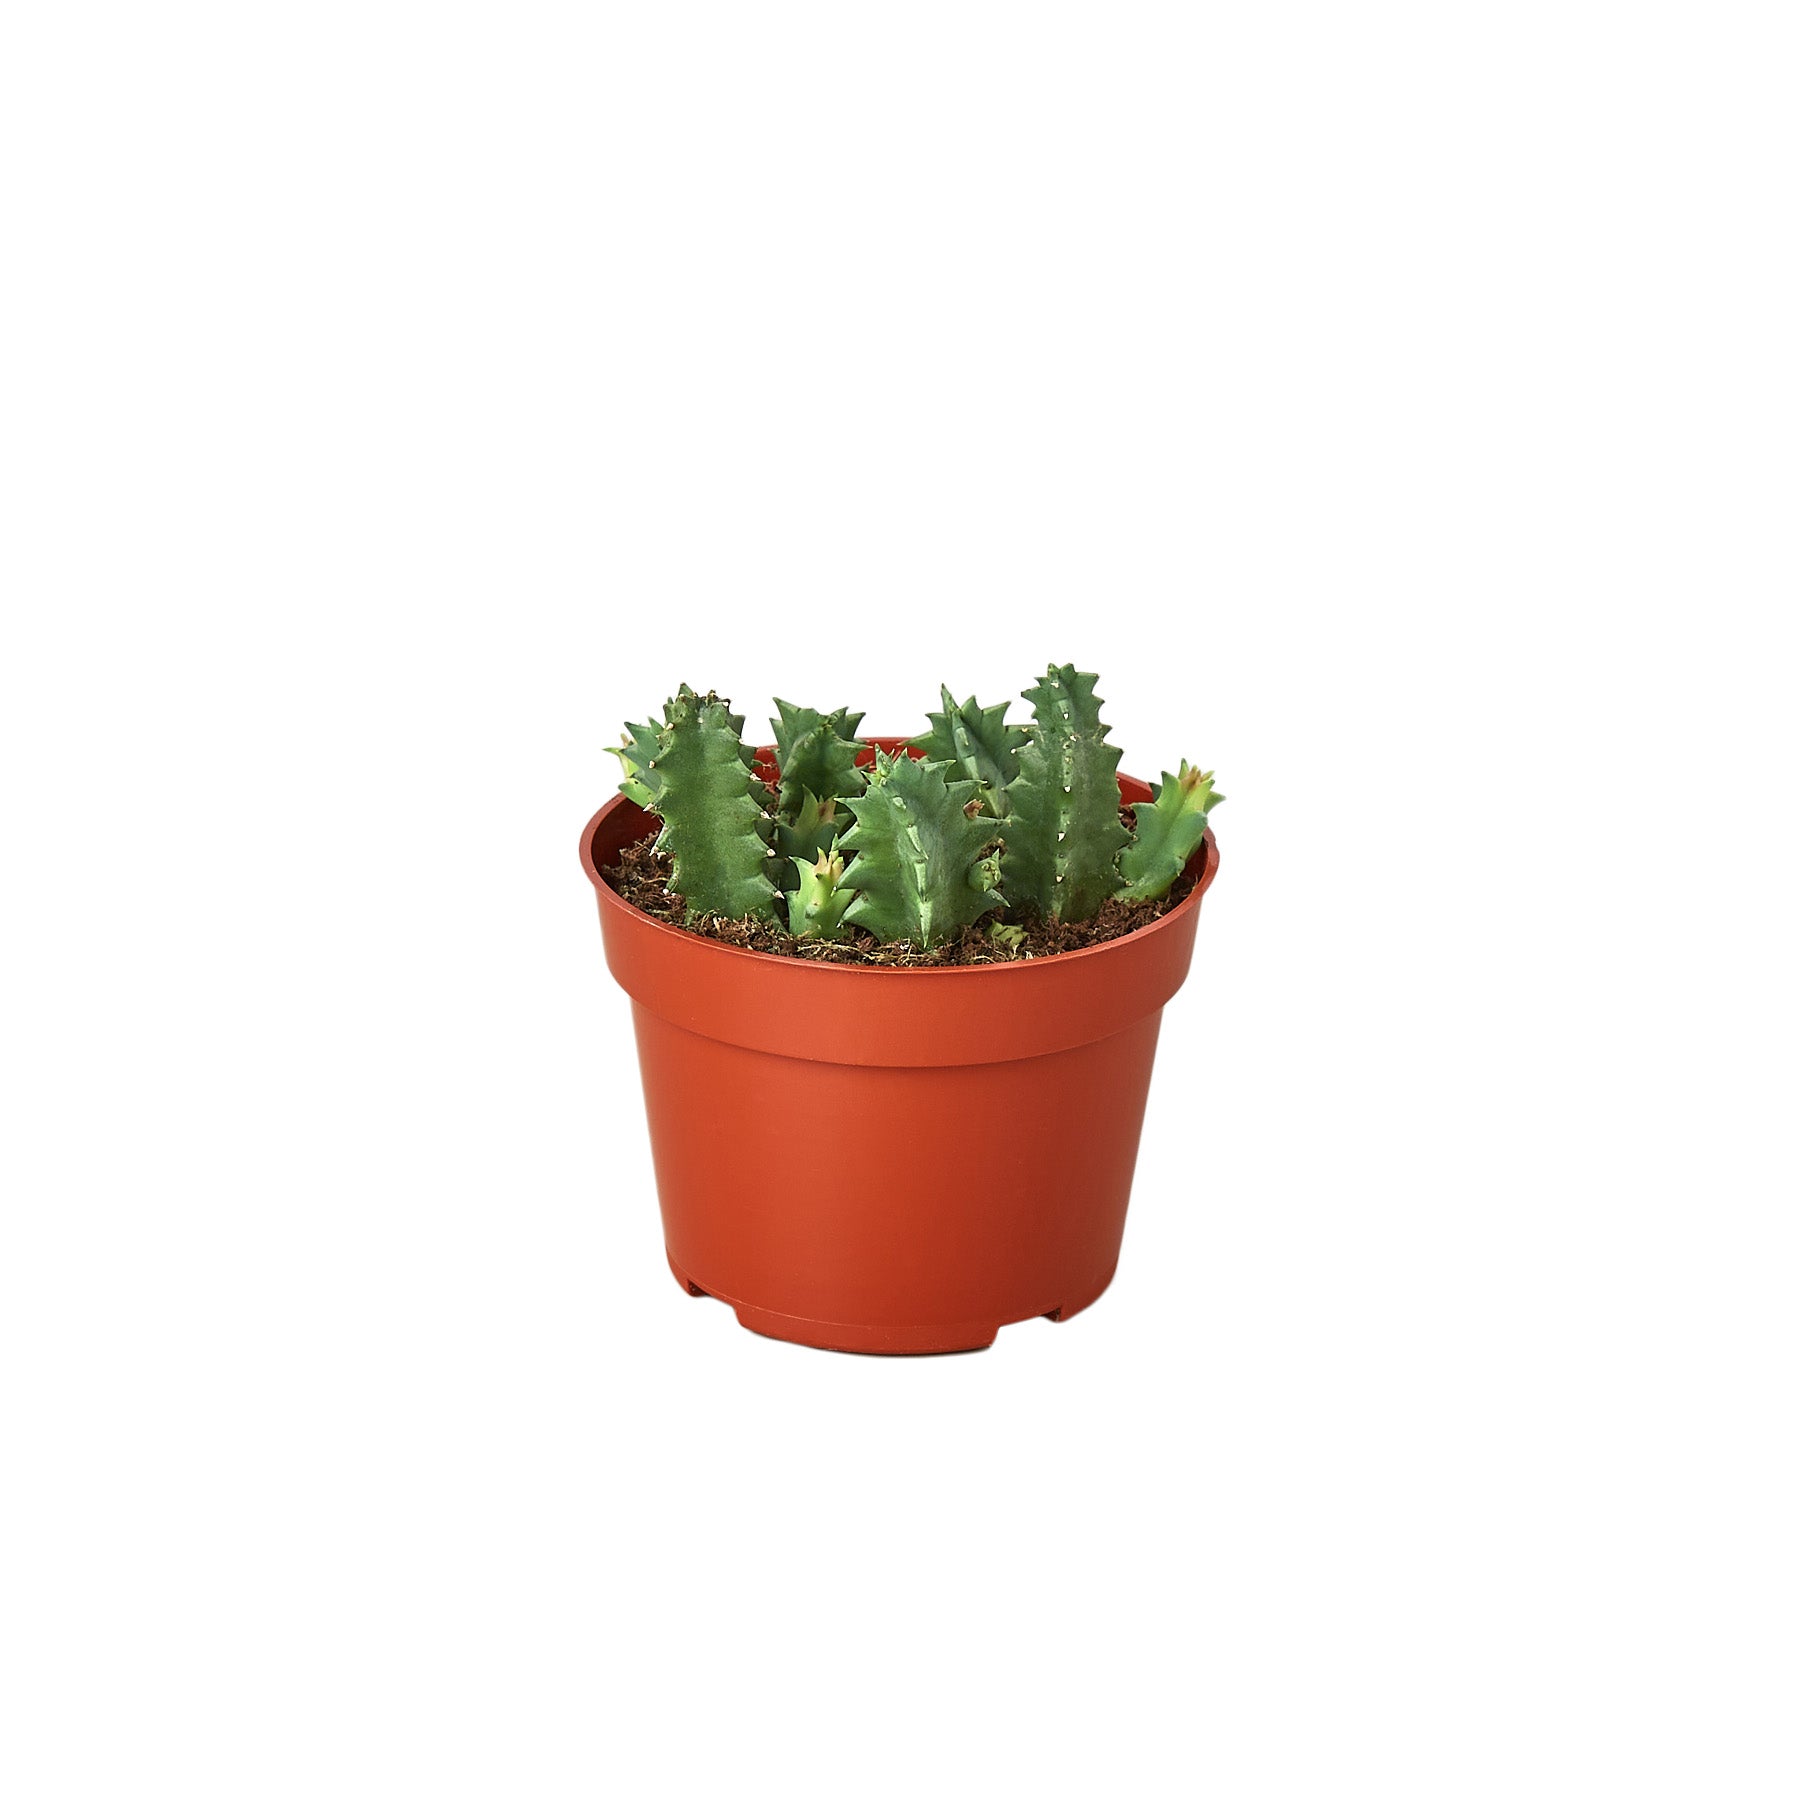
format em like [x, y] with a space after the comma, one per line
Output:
[1169, 829]
[816, 753]
[1062, 830]
[816, 764]
[817, 905]
[977, 740]
[988, 818]
[813, 828]
[922, 869]
[713, 826]
[637, 756]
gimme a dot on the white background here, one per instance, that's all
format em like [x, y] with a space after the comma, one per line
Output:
[1396, 404]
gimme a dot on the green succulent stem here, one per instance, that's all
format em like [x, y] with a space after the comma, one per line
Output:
[713, 826]
[921, 865]
[813, 829]
[1062, 831]
[1170, 826]
[980, 745]
[818, 903]
[637, 757]
[816, 755]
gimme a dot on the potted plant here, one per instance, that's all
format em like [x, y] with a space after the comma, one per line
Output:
[896, 1004]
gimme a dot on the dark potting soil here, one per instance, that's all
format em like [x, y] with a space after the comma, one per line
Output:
[641, 876]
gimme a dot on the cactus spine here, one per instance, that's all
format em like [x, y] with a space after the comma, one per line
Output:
[1062, 832]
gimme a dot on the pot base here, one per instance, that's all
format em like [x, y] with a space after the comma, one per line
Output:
[879, 1340]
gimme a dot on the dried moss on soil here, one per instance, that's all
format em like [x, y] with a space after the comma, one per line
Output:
[641, 876]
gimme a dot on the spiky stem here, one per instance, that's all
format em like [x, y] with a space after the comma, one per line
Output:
[1170, 826]
[921, 869]
[637, 757]
[980, 745]
[816, 753]
[713, 827]
[817, 905]
[813, 829]
[1062, 833]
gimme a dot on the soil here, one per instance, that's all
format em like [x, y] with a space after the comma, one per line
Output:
[641, 877]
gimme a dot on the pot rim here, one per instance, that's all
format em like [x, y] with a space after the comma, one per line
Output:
[1208, 853]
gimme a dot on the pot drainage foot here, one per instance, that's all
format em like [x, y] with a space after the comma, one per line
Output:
[699, 1293]
[1060, 1315]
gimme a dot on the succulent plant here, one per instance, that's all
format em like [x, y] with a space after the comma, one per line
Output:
[981, 818]
[1170, 826]
[714, 829]
[814, 828]
[923, 868]
[816, 754]
[637, 755]
[815, 759]
[978, 740]
[1062, 830]
[819, 901]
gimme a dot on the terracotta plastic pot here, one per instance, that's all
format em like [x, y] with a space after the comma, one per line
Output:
[891, 1160]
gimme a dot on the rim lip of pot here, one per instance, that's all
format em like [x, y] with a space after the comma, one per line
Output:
[854, 1013]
